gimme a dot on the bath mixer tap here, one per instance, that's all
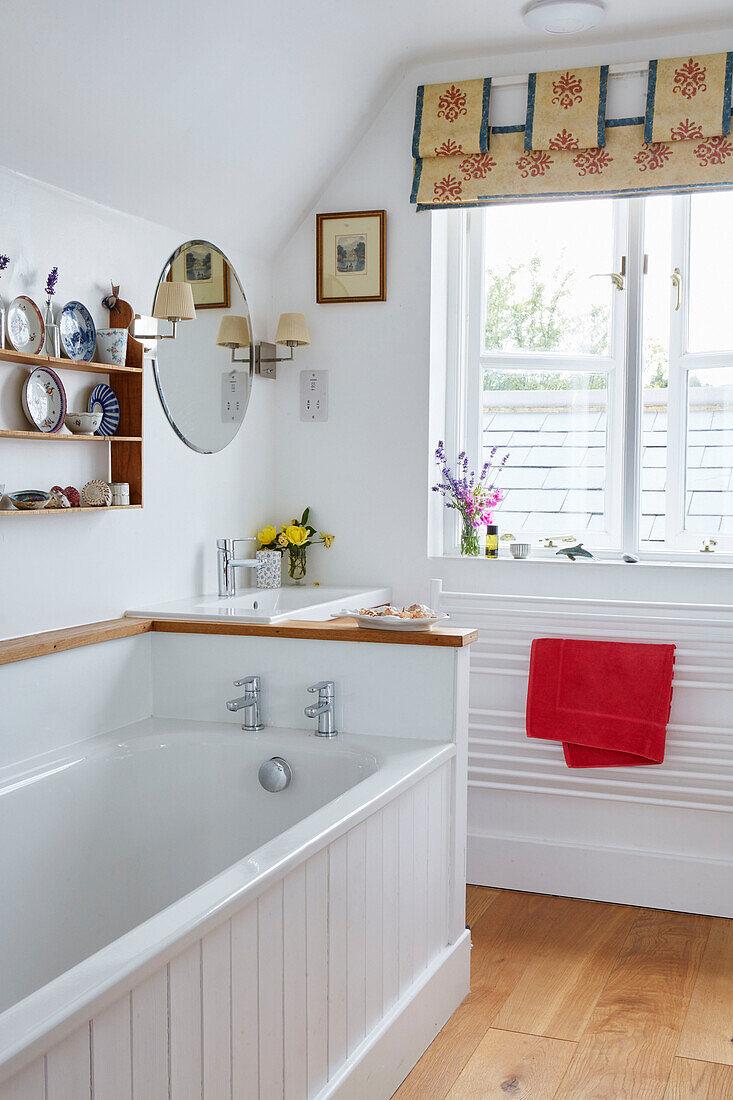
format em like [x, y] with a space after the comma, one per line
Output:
[323, 709]
[249, 703]
[227, 564]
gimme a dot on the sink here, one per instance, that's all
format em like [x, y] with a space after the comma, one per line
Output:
[316, 603]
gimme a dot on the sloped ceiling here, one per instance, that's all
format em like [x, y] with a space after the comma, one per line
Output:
[225, 118]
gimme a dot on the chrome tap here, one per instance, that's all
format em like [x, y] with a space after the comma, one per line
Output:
[249, 703]
[323, 709]
[227, 564]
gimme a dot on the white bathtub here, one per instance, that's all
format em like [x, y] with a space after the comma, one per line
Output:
[168, 928]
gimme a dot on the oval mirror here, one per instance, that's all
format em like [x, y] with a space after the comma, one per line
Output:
[205, 385]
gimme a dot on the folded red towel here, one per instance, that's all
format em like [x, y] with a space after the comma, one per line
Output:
[608, 702]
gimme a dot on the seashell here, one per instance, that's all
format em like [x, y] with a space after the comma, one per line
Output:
[97, 494]
[72, 495]
[58, 499]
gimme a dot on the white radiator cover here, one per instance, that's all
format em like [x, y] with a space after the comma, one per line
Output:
[658, 836]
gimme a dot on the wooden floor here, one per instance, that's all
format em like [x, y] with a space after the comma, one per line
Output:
[578, 1000]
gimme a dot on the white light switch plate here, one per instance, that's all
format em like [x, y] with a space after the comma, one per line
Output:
[233, 389]
[314, 395]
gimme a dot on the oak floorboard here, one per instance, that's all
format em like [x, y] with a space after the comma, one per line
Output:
[505, 938]
[708, 1030]
[558, 991]
[629, 1044]
[690, 1080]
[508, 1064]
[478, 900]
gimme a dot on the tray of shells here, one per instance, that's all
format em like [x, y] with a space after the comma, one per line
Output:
[418, 616]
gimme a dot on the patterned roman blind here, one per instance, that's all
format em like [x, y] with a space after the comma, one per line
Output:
[567, 146]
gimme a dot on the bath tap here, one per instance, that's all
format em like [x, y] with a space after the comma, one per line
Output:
[227, 564]
[323, 709]
[249, 703]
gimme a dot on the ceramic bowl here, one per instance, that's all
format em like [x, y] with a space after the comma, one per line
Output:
[112, 346]
[28, 499]
[83, 423]
[520, 549]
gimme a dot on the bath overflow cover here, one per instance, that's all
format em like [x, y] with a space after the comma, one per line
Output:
[275, 774]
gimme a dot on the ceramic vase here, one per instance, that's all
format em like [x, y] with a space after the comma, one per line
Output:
[269, 568]
[297, 564]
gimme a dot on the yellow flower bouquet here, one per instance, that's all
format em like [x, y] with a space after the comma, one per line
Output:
[295, 537]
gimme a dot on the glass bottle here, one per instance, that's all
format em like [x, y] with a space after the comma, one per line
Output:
[53, 342]
[492, 541]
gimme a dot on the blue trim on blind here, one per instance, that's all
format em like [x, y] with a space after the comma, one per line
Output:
[529, 123]
[726, 93]
[416, 173]
[602, 96]
[507, 129]
[634, 120]
[485, 133]
[651, 90]
[418, 121]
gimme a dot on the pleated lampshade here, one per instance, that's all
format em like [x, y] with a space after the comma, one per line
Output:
[234, 332]
[174, 302]
[292, 330]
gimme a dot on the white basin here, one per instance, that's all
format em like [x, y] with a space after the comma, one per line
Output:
[268, 605]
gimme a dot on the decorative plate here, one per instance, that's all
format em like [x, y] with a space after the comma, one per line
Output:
[25, 325]
[392, 622]
[30, 499]
[97, 494]
[44, 400]
[104, 400]
[78, 334]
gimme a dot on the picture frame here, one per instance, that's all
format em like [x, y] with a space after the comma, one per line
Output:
[351, 256]
[207, 272]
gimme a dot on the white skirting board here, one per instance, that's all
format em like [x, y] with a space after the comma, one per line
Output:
[658, 880]
[379, 1066]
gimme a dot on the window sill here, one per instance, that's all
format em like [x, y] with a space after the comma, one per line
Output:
[723, 561]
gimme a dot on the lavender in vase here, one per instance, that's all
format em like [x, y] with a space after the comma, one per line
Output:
[474, 498]
[53, 343]
[4, 261]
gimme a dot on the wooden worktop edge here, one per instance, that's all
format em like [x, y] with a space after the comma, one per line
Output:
[71, 637]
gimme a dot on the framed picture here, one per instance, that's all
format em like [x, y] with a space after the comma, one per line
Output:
[208, 273]
[351, 257]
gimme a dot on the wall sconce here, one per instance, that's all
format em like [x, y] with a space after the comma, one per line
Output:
[292, 332]
[174, 303]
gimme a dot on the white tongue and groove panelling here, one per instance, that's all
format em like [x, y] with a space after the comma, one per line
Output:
[653, 835]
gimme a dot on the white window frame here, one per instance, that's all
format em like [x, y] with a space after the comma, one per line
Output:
[459, 274]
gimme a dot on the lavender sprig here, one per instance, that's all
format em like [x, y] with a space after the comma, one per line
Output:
[53, 278]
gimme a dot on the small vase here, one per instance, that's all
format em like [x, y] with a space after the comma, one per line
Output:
[470, 541]
[269, 566]
[297, 564]
[3, 318]
[53, 341]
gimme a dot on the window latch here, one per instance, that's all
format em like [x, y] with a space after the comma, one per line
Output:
[676, 278]
[616, 277]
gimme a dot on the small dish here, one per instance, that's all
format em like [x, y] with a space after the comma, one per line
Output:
[26, 329]
[83, 423]
[112, 346]
[97, 494]
[29, 499]
[519, 550]
[104, 400]
[44, 400]
[78, 334]
[391, 622]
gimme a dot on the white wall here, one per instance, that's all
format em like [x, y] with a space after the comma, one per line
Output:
[58, 571]
[365, 472]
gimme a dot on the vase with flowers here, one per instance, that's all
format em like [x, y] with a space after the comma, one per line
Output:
[294, 538]
[474, 498]
[4, 261]
[53, 342]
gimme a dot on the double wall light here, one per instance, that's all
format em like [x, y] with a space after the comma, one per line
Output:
[236, 332]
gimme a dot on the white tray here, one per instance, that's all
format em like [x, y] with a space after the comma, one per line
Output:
[392, 622]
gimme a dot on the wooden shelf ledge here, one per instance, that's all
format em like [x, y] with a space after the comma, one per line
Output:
[67, 437]
[66, 511]
[24, 359]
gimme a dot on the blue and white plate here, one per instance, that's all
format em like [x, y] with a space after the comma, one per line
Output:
[78, 333]
[103, 400]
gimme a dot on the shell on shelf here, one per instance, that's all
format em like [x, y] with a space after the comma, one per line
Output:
[97, 494]
[58, 499]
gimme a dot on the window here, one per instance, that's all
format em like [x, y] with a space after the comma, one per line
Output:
[591, 341]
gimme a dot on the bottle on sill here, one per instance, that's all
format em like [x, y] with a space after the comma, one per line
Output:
[492, 541]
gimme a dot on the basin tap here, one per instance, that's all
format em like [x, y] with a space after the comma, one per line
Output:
[249, 703]
[227, 564]
[323, 709]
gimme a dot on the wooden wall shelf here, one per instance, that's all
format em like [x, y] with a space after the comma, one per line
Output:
[125, 448]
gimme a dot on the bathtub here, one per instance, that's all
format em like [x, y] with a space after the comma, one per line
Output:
[170, 929]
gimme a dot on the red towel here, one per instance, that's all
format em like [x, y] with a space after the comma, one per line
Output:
[608, 702]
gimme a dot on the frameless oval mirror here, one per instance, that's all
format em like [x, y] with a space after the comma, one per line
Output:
[205, 386]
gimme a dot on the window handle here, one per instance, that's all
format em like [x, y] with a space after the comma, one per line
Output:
[676, 278]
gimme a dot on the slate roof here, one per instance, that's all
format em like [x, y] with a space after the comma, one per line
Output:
[554, 478]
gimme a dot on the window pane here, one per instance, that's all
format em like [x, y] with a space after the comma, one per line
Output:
[538, 263]
[711, 246]
[553, 424]
[709, 474]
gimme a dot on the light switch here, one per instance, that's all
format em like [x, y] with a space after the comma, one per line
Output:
[233, 396]
[314, 395]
